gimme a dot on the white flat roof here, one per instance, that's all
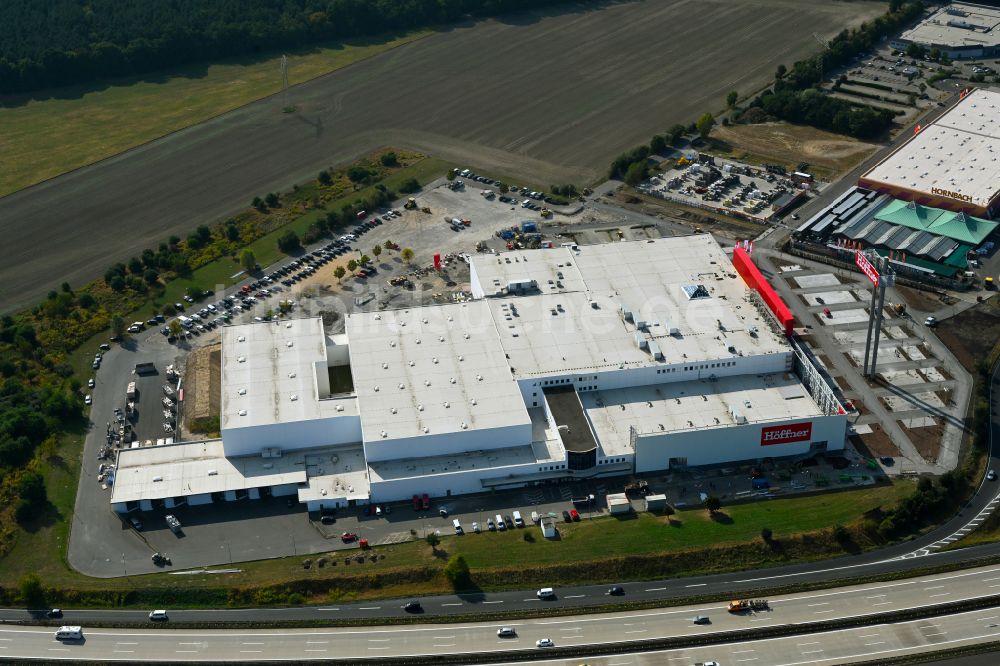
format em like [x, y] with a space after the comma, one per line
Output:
[571, 331]
[554, 270]
[196, 468]
[693, 405]
[493, 459]
[958, 25]
[431, 370]
[959, 152]
[268, 374]
[336, 473]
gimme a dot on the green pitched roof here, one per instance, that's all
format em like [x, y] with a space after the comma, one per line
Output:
[957, 226]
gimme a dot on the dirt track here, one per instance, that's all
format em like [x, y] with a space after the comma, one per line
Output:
[551, 95]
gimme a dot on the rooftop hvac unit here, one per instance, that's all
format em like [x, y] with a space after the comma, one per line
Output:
[654, 349]
[626, 312]
[737, 416]
[640, 340]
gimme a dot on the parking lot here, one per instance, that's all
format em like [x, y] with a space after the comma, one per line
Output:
[729, 187]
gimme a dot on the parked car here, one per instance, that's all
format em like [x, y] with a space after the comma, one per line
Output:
[576, 516]
[991, 475]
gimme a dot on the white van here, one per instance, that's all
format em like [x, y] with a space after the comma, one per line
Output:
[69, 633]
[546, 593]
[158, 615]
[500, 524]
[458, 526]
[518, 520]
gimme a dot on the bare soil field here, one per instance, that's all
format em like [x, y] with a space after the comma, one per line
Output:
[552, 95]
[971, 335]
[779, 143]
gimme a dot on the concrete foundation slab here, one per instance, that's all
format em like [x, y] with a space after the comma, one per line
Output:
[829, 298]
[820, 280]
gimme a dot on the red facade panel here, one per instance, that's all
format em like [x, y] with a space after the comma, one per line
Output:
[756, 280]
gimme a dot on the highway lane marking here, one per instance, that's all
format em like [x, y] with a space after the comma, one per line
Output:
[328, 609]
[379, 640]
[823, 611]
[123, 651]
[636, 631]
[121, 643]
[250, 651]
[742, 651]
[315, 650]
[869, 635]
[370, 608]
[443, 637]
[379, 648]
[444, 645]
[656, 589]
[805, 644]
[620, 663]
[811, 652]
[882, 603]
[935, 587]
[493, 602]
[570, 628]
[317, 642]
[940, 633]
[822, 603]
[747, 659]
[532, 599]
[185, 651]
[875, 643]
[939, 594]
[574, 596]
[458, 604]
[986, 619]
[930, 626]
[261, 643]
[697, 585]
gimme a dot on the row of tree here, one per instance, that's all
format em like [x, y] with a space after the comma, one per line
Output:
[820, 110]
[63, 42]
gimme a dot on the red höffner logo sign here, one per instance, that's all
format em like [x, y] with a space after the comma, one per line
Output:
[783, 434]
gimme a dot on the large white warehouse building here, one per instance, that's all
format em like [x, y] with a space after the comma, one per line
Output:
[613, 359]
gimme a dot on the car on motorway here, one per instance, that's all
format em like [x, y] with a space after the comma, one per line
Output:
[544, 643]
[546, 593]
[506, 632]
[616, 590]
[413, 607]
[991, 475]
[158, 615]
[54, 613]
[701, 619]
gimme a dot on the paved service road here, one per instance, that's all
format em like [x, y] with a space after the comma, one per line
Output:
[879, 640]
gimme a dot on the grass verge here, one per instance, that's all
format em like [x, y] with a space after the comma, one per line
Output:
[78, 126]
[591, 551]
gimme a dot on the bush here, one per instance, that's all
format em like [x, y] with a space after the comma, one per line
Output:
[389, 159]
[636, 173]
[457, 572]
[359, 174]
[409, 186]
[324, 177]
[766, 534]
[32, 593]
[289, 242]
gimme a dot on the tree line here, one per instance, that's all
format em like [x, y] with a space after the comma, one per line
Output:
[63, 42]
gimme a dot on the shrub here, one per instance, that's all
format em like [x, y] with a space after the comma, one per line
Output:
[289, 242]
[457, 572]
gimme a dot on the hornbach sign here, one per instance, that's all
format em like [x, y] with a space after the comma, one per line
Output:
[952, 195]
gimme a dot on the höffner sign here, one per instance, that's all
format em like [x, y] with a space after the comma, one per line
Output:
[784, 434]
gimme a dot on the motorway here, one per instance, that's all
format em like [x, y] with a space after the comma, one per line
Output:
[876, 639]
